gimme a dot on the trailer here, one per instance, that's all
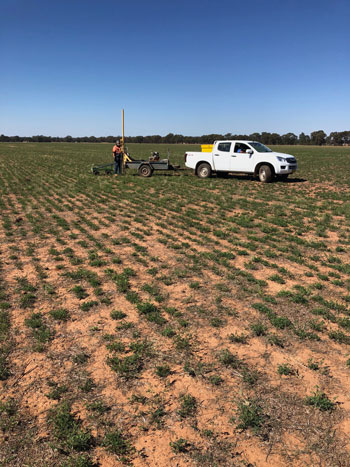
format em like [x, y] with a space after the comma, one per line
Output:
[144, 168]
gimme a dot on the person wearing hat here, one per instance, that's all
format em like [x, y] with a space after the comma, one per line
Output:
[117, 156]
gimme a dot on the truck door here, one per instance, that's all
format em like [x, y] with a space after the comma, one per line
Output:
[222, 157]
[241, 161]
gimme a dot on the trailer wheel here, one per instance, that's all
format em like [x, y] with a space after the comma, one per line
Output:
[265, 174]
[204, 170]
[145, 171]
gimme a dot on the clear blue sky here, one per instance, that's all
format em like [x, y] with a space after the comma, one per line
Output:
[185, 66]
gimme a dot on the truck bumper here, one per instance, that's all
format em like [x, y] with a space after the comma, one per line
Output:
[287, 169]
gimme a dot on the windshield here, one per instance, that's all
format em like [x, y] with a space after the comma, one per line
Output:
[260, 147]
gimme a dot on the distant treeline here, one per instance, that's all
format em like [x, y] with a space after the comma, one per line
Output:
[316, 138]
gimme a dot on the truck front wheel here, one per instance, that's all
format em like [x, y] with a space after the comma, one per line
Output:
[204, 170]
[265, 174]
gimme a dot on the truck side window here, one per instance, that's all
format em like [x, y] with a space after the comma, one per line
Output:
[241, 147]
[225, 147]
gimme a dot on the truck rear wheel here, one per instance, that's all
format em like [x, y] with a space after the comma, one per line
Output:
[265, 174]
[204, 170]
[145, 170]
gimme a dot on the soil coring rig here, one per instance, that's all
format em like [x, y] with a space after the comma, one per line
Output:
[144, 167]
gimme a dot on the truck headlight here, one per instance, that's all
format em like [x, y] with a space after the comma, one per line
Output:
[281, 159]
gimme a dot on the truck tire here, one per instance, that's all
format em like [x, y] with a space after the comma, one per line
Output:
[145, 170]
[204, 170]
[265, 174]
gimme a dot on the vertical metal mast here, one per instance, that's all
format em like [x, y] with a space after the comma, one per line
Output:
[123, 140]
[122, 146]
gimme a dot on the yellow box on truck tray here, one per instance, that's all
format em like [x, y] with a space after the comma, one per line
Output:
[207, 147]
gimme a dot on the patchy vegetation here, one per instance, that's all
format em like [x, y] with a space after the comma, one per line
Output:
[172, 320]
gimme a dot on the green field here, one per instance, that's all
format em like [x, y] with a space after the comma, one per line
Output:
[173, 320]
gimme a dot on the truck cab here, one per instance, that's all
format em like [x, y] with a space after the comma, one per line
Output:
[248, 157]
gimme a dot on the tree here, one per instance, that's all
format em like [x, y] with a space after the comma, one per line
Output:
[304, 139]
[169, 138]
[266, 137]
[338, 138]
[255, 137]
[289, 138]
[276, 138]
[318, 137]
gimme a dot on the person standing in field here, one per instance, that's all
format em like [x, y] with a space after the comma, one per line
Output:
[117, 155]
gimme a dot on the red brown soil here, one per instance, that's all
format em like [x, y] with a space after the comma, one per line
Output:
[32, 370]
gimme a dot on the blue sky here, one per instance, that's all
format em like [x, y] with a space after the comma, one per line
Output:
[190, 67]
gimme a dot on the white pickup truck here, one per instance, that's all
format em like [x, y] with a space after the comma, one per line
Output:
[248, 157]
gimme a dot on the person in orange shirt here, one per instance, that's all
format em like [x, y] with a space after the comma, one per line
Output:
[117, 156]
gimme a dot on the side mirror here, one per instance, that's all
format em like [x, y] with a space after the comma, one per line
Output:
[249, 151]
